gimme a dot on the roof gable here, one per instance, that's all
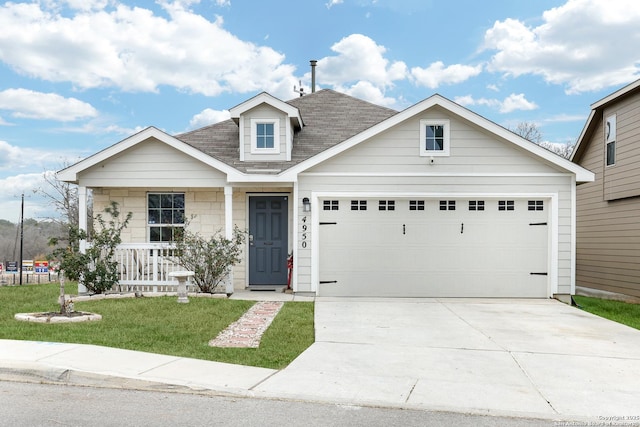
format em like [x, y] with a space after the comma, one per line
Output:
[596, 115]
[438, 100]
[264, 98]
[70, 174]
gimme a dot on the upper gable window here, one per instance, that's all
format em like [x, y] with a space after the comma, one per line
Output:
[265, 136]
[434, 137]
[610, 140]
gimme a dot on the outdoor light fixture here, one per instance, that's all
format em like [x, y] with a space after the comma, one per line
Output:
[306, 205]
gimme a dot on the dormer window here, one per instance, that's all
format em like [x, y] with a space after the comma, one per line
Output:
[265, 136]
[434, 137]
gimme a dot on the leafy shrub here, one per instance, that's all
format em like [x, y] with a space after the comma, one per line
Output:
[96, 268]
[210, 259]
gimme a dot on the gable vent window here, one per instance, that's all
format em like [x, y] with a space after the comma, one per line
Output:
[434, 137]
[265, 136]
[387, 205]
[476, 205]
[416, 205]
[447, 205]
[330, 205]
[506, 205]
[536, 205]
[358, 205]
[610, 140]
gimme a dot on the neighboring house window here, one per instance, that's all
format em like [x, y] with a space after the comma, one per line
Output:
[416, 205]
[506, 205]
[476, 205]
[447, 205]
[536, 205]
[387, 205]
[265, 136]
[358, 205]
[165, 214]
[610, 140]
[330, 205]
[434, 137]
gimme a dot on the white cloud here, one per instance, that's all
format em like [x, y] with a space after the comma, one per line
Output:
[584, 45]
[367, 91]
[437, 74]
[333, 3]
[511, 103]
[208, 117]
[360, 66]
[517, 102]
[134, 49]
[35, 206]
[26, 103]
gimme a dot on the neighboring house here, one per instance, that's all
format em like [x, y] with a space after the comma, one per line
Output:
[432, 201]
[608, 227]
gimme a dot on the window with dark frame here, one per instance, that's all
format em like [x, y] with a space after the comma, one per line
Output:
[506, 205]
[416, 205]
[358, 205]
[165, 214]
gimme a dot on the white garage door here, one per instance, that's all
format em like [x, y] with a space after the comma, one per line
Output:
[434, 247]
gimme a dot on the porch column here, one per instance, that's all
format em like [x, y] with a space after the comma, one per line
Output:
[82, 224]
[228, 230]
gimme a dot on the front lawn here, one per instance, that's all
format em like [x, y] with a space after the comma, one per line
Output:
[159, 325]
[621, 312]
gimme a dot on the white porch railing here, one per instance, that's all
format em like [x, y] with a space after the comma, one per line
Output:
[145, 267]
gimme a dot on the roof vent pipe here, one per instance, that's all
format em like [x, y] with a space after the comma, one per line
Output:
[313, 75]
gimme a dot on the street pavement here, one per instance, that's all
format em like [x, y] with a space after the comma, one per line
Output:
[503, 357]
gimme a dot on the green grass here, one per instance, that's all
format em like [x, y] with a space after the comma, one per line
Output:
[159, 325]
[621, 312]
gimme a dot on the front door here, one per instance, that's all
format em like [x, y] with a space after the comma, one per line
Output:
[268, 240]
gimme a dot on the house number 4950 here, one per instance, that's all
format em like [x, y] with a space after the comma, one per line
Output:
[304, 232]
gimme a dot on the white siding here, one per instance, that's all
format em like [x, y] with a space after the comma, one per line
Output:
[264, 111]
[152, 164]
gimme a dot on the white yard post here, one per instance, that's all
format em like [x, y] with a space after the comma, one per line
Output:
[228, 230]
[82, 224]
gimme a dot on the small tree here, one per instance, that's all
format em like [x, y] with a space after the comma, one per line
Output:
[210, 259]
[528, 130]
[96, 267]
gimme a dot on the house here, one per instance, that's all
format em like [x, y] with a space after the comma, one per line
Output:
[608, 220]
[431, 201]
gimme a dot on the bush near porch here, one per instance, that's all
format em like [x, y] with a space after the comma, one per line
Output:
[159, 325]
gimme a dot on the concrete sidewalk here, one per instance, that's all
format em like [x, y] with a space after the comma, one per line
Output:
[527, 358]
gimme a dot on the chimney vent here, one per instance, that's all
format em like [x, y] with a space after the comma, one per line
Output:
[313, 75]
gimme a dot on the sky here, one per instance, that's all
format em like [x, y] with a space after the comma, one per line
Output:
[77, 76]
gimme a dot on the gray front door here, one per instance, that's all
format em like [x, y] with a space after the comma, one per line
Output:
[268, 240]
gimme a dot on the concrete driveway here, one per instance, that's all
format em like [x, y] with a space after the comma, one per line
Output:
[505, 357]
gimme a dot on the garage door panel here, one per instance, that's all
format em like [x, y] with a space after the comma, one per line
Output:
[434, 253]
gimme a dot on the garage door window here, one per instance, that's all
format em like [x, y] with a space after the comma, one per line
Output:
[476, 205]
[330, 205]
[447, 205]
[536, 205]
[387, 205]
[506, 205]
[358, 205]
[416, 205]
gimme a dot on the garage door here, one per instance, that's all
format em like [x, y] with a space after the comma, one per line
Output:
[433, 247]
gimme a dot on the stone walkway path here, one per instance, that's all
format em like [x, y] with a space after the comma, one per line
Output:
[247, 331]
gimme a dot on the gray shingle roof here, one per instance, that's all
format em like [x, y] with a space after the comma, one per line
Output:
[329, 118]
